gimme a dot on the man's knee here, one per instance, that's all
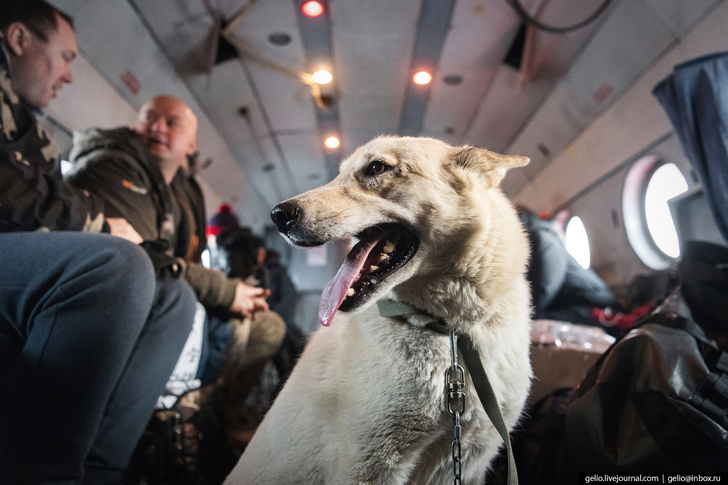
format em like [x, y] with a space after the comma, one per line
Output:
[253, 341]
[267, 330]
[122, 266]
[175, 303]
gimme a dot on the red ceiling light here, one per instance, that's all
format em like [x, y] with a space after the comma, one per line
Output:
[312, 8]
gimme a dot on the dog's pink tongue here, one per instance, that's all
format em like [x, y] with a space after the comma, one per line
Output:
[335, 291]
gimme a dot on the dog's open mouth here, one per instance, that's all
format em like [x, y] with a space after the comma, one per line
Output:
[381, 251]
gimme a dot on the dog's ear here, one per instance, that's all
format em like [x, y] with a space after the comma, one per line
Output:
[491, 165]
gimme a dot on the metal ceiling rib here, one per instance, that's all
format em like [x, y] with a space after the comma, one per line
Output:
[282, 116]
[471, 61]
[432, 29]
[373, 42]
[316, 37]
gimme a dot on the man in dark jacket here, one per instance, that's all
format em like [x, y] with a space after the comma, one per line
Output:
[132, 169]
[136, 170]
[88, 337]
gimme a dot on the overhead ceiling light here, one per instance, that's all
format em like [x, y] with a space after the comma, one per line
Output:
[322, 77]
[312, 8]
[422, 77]
[332, 142]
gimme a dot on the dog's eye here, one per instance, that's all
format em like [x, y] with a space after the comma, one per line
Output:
[376, 167]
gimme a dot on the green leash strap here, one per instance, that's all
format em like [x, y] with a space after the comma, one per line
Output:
[392, 308]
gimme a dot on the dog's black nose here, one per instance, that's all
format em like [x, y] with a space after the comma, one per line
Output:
[285, 215]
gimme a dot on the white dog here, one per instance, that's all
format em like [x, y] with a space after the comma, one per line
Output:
[366, 402]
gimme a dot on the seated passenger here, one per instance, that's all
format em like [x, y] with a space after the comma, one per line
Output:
[88, 336]
[561, 289]
[222, 220]
[243, 255]
[133, 170]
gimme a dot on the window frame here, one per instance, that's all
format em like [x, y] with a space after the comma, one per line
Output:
[634, 212]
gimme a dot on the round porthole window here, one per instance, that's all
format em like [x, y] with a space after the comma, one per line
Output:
[649, 185]
[577, 241]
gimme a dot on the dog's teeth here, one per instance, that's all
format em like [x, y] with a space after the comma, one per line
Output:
[373, 268]
[388, 247]
[350, 292]
[383, 257]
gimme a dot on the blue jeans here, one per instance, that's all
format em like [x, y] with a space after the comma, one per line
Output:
[89, 339]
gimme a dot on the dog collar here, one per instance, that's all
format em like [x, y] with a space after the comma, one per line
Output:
[392, 308]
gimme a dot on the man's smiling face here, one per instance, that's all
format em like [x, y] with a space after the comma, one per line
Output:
[169, 128]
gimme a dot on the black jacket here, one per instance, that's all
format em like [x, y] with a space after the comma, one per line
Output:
[117, 166]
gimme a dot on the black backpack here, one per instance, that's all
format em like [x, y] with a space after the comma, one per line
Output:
[657, 399]
[656, 402]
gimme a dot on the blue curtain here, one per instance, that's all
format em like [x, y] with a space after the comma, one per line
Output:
[695, 97]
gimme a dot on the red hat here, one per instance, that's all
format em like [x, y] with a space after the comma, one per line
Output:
[224, 219]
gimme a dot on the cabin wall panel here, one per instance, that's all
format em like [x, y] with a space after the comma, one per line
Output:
[634, 123]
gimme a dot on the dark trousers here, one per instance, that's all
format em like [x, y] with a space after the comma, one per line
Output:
[89, 338]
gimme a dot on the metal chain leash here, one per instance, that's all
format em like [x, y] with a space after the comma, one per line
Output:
[455, 382]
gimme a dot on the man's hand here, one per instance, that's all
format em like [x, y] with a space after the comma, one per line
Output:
[249, 299]
[121, 228]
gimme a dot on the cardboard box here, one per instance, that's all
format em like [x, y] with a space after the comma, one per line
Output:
[562, 353]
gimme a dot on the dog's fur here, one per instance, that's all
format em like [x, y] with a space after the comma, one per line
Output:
[366, 402]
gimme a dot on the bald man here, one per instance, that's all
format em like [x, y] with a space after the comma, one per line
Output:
[132, 169]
